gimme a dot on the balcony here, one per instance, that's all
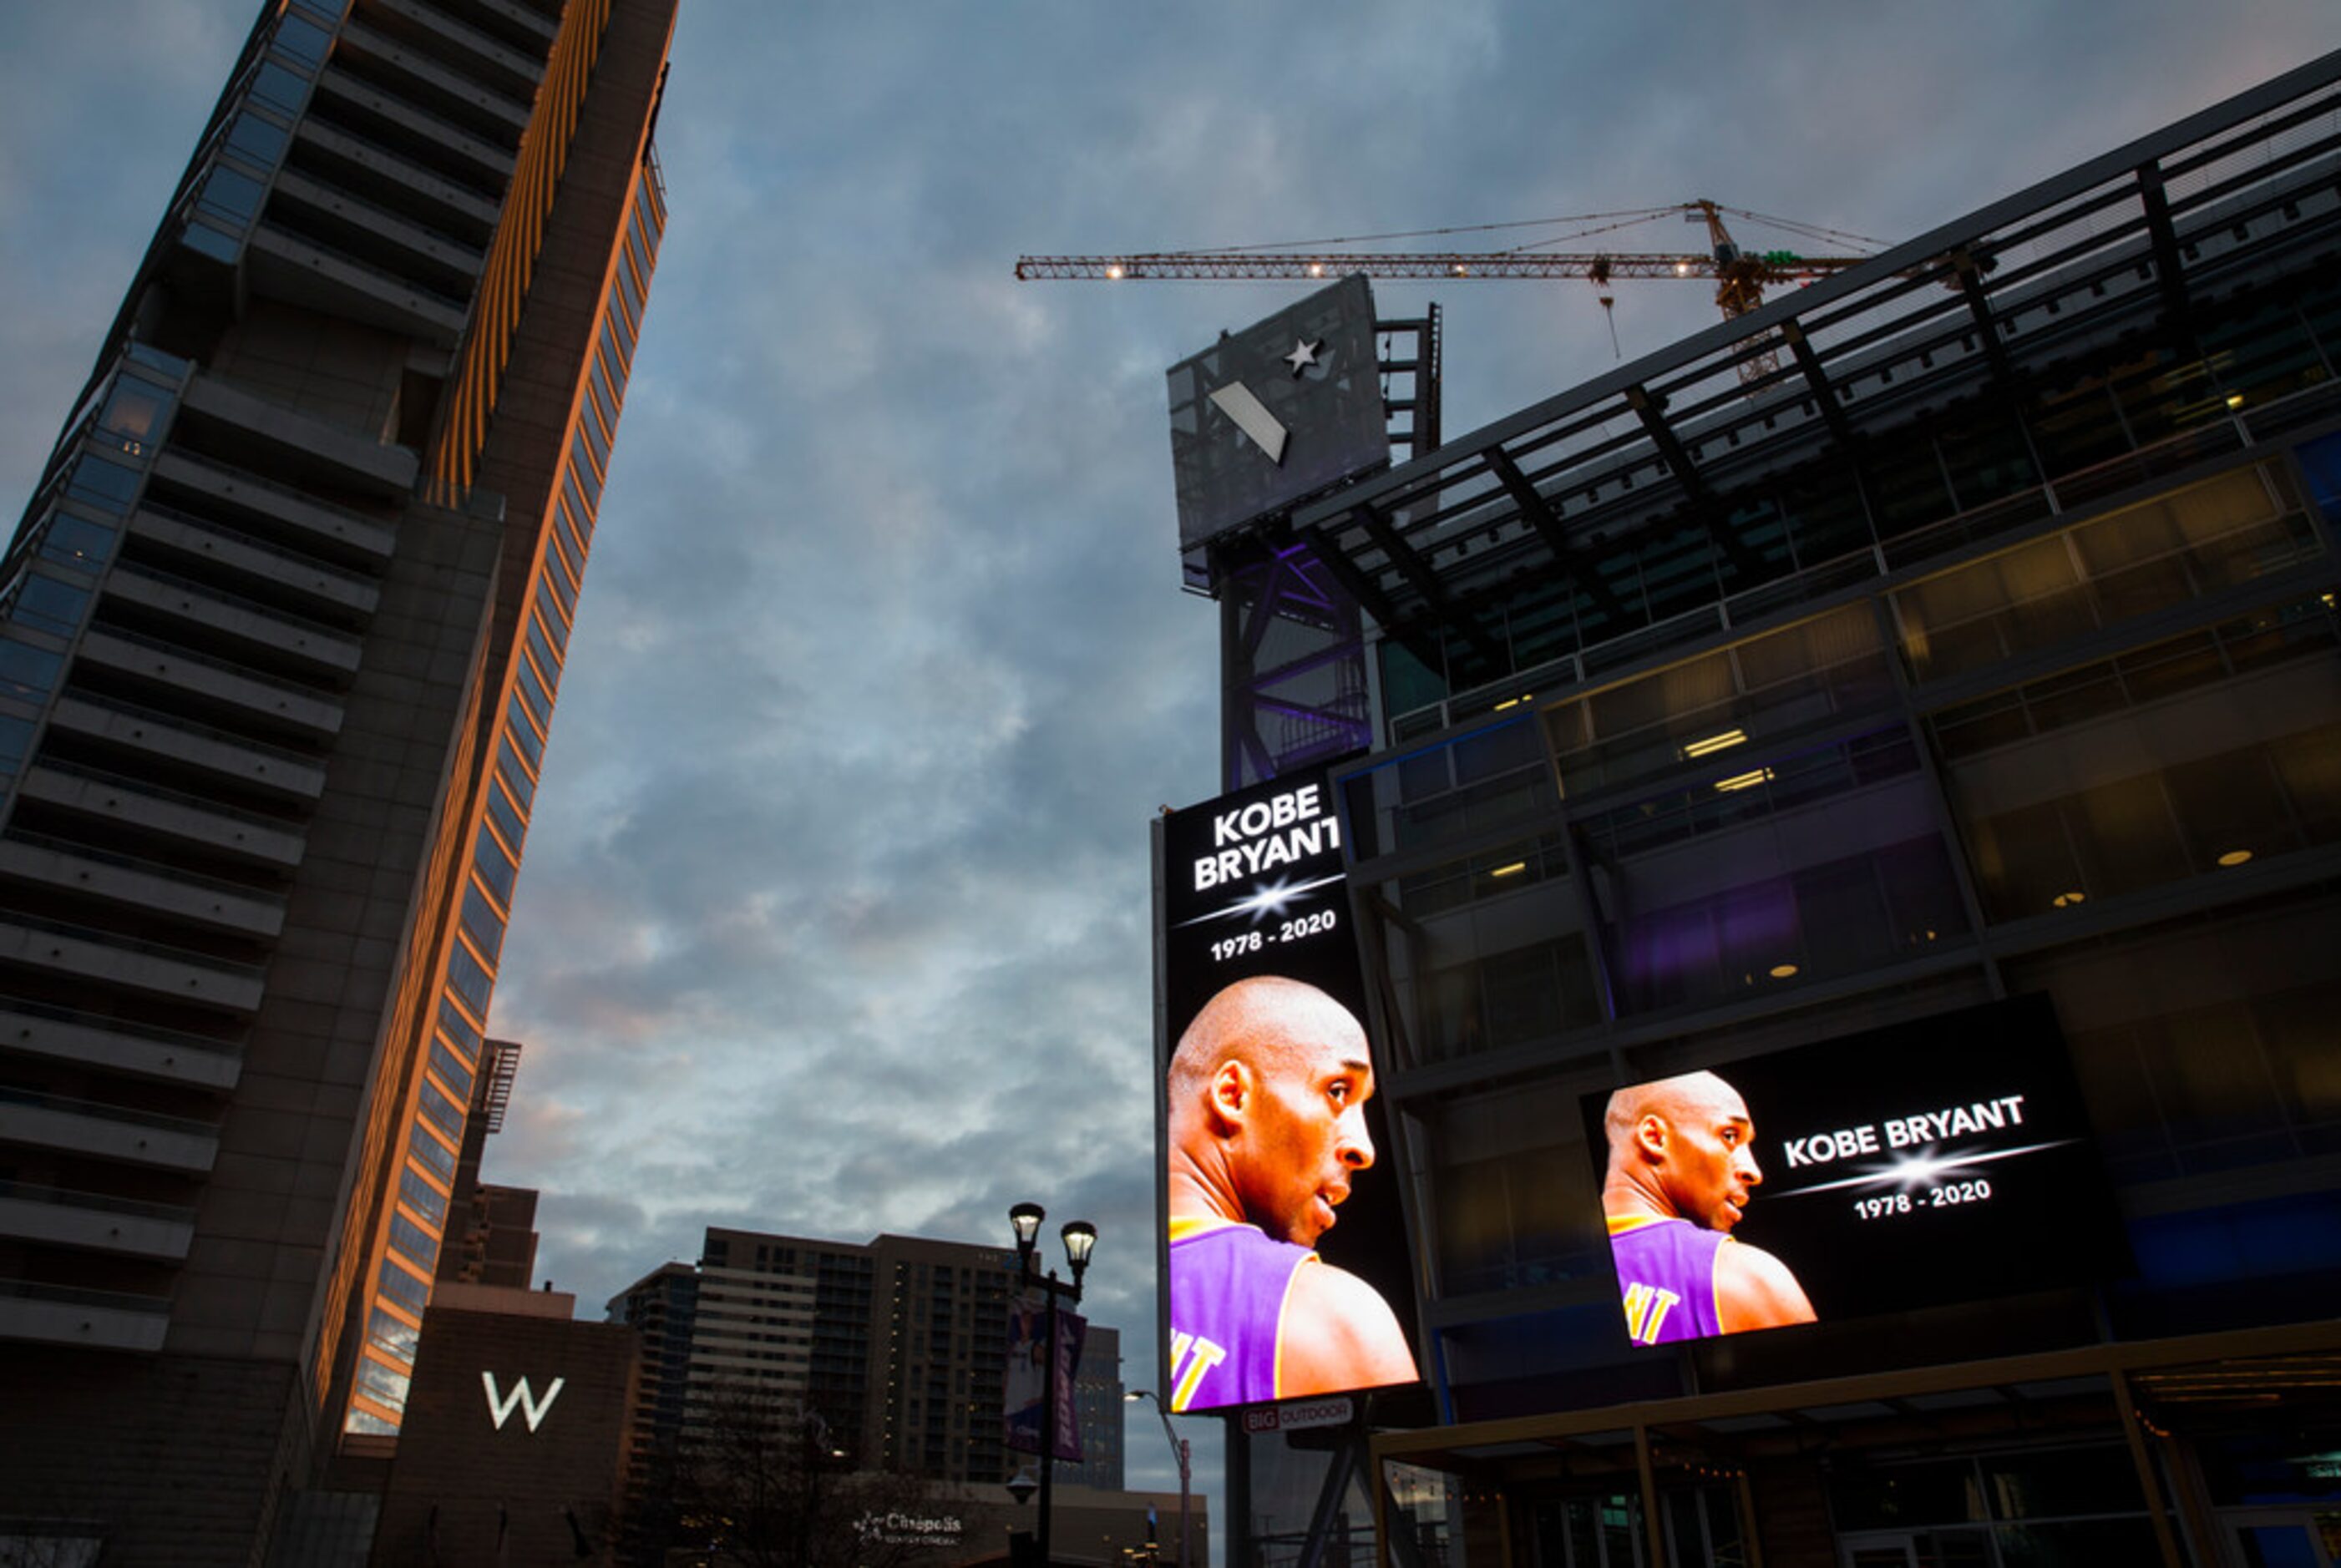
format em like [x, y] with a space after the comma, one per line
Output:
[107, 1319]
[196, 748]
[382, 174]
[463, 48]
[78, 954]
[262, 506]
[283, 265]
[258, 633]
[227, 689]
[93, 1222]
[481, 169]
[101, 797]
[142, 885]
[247, 431]
[107, 1132]
[414, 74]
[162, 1055]
[345, 221]
[257, 565]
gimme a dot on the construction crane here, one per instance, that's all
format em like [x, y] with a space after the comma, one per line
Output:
[1741, 276]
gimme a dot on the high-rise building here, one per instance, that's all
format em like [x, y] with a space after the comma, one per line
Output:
[279, 638]
[896, 1349]
[1097, 1401]
[1942, 658]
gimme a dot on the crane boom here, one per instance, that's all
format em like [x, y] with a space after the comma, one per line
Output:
[1775, 266]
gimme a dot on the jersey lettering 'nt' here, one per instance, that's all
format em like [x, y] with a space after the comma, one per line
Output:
[1228, 1283]
[1666, 1269]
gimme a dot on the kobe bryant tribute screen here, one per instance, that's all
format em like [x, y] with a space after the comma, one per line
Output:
[1946, 1159]
[1285, 1266]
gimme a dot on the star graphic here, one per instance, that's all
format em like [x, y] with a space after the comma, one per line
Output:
[1303, 354]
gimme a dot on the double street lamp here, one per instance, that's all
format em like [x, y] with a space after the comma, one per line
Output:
[1080, 1236]
[1179, 1451]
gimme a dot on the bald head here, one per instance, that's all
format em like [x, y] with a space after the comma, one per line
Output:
[1272, 1024]
[1268, 1090]
[1676, 1099]
[1681, 1147]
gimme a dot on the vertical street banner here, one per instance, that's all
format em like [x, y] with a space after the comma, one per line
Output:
[1024, 1388]
[1286, 1263]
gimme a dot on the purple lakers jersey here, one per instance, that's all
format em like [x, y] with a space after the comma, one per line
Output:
[1665, 1270]
[1228, 1283]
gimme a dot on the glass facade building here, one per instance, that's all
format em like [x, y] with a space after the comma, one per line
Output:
[1979, 641]
[281, 631]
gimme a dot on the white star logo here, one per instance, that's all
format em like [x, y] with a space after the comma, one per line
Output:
[1303, 354]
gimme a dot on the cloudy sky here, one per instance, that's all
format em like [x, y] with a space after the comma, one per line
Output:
[834, 914]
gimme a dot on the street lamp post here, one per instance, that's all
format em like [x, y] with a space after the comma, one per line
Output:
[1080, 1236]
[1179, 1451]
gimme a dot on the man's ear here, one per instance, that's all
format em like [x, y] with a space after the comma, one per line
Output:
[1228, 1096]
[1650, 1135]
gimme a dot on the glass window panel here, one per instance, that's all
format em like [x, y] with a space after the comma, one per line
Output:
[27, 671]
[135, 410]
[589, 423]
[531, 690]
[563, 589]
[622, 331]
[469, 978]
[548, 662]
[432, 1155]
[457, 1077]
[401, 1287]
[2060, 1482]
[76, 541]
[421, 1197]
[580, 515]
[460, 1030]
[415, 1244]
[495, 867]
[231, 194]
[549, 615]
[390, 1333]
[444, 1113]
[582, 465]
[109, 486]
[481, 923]
[260, 139]
[378, 1380]
[607, 391]
[52, 604]
[522, 734]
[507, 820]
[509, 769]
[302, 39]
[16, 740]
[273, 84]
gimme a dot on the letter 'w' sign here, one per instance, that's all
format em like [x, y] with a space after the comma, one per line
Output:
[500, 1405]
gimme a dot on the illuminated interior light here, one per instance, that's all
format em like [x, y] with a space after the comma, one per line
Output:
[2235, 856]
[1742, 781]
[1782, 971]
[1729, 738]
[1508, 703]
[2066, 900]
[1514, 869]
[2235, 400]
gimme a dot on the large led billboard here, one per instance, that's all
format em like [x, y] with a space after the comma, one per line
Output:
[1285, 1260]
[1943, 1160]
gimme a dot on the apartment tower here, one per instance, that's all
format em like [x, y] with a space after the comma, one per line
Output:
[279, 637]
